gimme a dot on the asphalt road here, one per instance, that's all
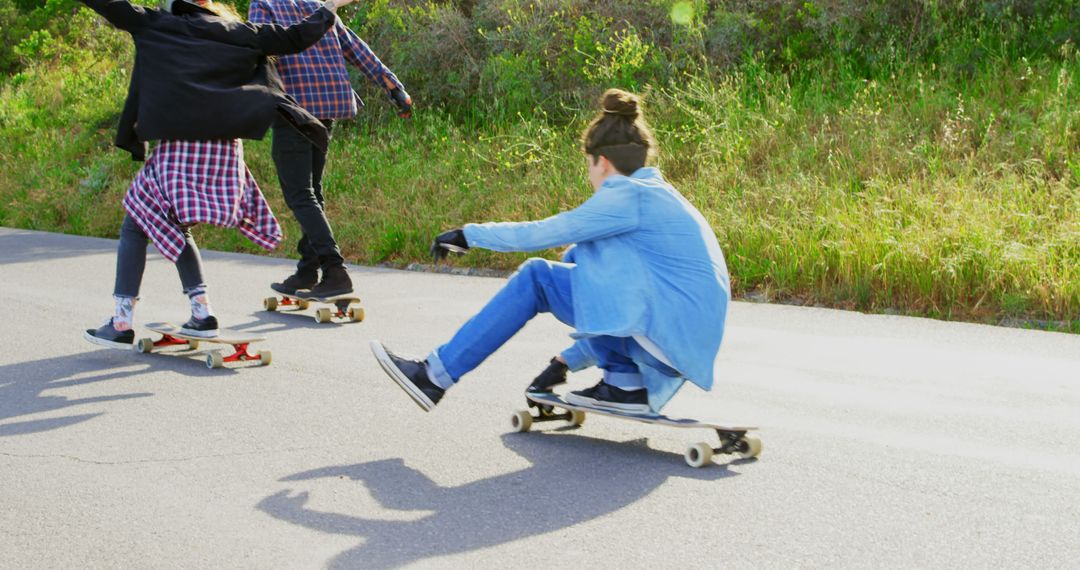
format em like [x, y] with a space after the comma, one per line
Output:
[889, 441]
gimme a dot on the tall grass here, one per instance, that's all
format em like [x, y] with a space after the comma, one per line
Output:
[914, 185]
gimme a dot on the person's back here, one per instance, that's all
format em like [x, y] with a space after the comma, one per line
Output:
[318, 77]
[318, 80]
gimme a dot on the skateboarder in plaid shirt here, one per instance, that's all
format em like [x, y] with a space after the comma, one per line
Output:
[319, 80]
[200, 85]
[644, 285]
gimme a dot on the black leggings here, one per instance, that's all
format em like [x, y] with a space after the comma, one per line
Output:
[131, 261]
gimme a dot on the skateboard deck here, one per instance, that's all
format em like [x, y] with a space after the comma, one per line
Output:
[734, 439]
[343, 306]
[171, 336]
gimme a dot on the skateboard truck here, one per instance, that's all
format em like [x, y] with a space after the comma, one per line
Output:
[342, 306]
[240, 354]
[215, 358]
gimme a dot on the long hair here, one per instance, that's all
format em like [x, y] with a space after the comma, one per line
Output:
[619, 132]
[222, 10]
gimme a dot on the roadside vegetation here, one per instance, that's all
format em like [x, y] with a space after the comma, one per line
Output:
[917, 158]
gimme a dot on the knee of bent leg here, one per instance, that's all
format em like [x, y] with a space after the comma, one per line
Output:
[534, 269]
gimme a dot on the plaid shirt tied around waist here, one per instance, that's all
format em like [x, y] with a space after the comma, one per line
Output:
[317, 77]
[199, 182]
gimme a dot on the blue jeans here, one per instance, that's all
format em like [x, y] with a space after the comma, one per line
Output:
[539, 286]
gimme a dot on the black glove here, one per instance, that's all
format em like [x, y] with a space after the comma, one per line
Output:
[453, 240]
[403, 102]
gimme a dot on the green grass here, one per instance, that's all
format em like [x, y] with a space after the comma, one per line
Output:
[927, 192]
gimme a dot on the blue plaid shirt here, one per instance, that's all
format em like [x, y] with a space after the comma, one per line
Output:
[317, 77]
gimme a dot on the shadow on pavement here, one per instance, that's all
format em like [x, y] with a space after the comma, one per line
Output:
[572, 479]
[266, 322]
[20, 246]
[23, 386]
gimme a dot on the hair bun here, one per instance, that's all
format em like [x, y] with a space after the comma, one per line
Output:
[622, 103]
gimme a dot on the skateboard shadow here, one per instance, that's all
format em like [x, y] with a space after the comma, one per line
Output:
[23, 388]
[571, 479]
[266, 322]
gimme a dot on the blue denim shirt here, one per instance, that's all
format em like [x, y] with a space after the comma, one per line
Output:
[647, 264]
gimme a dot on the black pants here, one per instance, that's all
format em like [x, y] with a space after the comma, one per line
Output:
[131, 261]
[300, 168]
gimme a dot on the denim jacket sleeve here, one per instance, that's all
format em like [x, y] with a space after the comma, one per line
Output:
[612, 210]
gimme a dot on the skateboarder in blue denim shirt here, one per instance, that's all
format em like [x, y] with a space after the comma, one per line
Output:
[645, 285]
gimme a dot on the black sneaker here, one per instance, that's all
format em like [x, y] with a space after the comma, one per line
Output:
[202, 328]
[107, 336]
[296, 281]
[335, 282]
[411, 375]
[553, 375]
[609, 397]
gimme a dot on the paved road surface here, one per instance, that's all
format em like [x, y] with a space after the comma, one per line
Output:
[889, 441]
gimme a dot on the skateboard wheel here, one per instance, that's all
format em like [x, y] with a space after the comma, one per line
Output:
[215, 360]
[521, 421]
[698, 455]
[193, 344]
[145, 345]
[265, 357]
[356, 314]
[302, 304]
[751, 447]
[270, 303]
[322, 315]
[577, 417]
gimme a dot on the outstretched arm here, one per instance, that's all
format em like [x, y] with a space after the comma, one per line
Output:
[360, 55]
[119, 13]
[357, 52]
[609, 212]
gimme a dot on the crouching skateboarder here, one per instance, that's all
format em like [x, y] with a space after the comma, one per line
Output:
[645, 287]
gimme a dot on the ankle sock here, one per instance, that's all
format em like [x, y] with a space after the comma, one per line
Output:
[124, 313]
[627, 381]
[200, 303]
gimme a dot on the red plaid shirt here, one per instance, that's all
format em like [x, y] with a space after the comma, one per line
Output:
[196, 182]
[317, 77]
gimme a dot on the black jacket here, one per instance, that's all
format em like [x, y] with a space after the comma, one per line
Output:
[201, 77]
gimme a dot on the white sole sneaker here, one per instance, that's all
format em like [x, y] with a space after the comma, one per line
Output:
[108, 343]
[572, 398]
[397, 376]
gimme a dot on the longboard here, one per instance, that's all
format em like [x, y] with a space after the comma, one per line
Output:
[343, 306]
[734, 439]
[171, 336]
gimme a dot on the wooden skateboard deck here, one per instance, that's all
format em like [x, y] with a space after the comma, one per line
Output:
[343, 306]
[171, 336]
[733, 438]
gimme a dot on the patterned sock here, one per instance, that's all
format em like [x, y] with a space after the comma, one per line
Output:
[200, 303]
[124, 314]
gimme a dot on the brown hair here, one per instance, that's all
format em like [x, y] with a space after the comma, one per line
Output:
[619, 132]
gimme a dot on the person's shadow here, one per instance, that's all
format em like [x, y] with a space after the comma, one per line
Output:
[572, 479]
[23, 386]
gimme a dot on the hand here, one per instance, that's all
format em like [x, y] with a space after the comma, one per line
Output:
[403, 102]
[453, 240]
